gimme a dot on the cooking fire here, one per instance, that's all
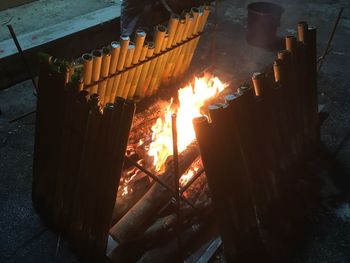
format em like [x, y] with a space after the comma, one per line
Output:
[156, 143]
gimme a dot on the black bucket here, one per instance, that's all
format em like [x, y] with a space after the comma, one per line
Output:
[263, 21]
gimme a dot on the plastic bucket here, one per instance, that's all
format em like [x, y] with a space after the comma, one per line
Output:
[263, 20]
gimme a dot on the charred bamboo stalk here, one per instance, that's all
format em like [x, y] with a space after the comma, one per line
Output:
[115, 51]
[41, 116]
[140, 92]
[238, 236]
[109, 186]
[71, 94]
[124, 47]
[96, 69]
[85, 185]
[54, 97]
[139, 217]
[292, 47]
[312, 57]
[139, 55]
[267, 144]
[106, 62]
[285, 57]
[124, 75]
[158, 45]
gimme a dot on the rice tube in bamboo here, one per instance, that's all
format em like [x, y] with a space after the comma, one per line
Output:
[158, 44]
[124, 75]
[179, 52]
[87, 68]
[188, 47]
[96, 69]
[141, 73]
[158, 70]
[139, 41]
[115, 50]
[201, 23]
[106, 61]
[124, 46]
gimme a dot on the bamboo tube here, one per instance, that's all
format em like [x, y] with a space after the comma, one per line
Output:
[258, 82]
[87, 72]
[127, 64]
[139, 40]
[172, 42]
[178, 54]
[181, 34]
[158, 70]
[106, 61]
[141, 73]
[158, 44]
[115, 50]
[302, 31]
[179, 68]
[124, 46]
[96, 69]
[201, 23]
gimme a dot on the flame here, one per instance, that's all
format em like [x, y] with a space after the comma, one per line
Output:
[191, 99]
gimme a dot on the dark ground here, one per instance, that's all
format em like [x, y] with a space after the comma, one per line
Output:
[23, 238]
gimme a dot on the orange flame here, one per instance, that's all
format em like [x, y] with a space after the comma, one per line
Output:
[191, 99]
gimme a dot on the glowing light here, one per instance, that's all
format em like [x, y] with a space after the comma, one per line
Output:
[191, 99]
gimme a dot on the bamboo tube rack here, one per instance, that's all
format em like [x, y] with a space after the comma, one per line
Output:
[137, 70]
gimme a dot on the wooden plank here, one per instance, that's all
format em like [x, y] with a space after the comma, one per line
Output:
[60, 30]
[6, 4]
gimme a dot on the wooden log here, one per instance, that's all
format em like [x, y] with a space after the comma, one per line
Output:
[139, 217]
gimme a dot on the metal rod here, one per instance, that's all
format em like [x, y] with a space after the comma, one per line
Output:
[176, 181]
[155, 178]
[330, 39]
[20, 51]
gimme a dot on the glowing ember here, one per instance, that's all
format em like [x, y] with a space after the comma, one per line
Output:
[191, 99]
[189, 174]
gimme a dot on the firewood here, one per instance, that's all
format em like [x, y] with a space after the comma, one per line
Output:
[139, 217]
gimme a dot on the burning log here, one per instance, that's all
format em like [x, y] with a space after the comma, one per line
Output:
[139, 217]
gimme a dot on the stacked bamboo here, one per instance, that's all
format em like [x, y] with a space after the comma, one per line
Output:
[135, 70]
[250, 145]
[79, 154]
